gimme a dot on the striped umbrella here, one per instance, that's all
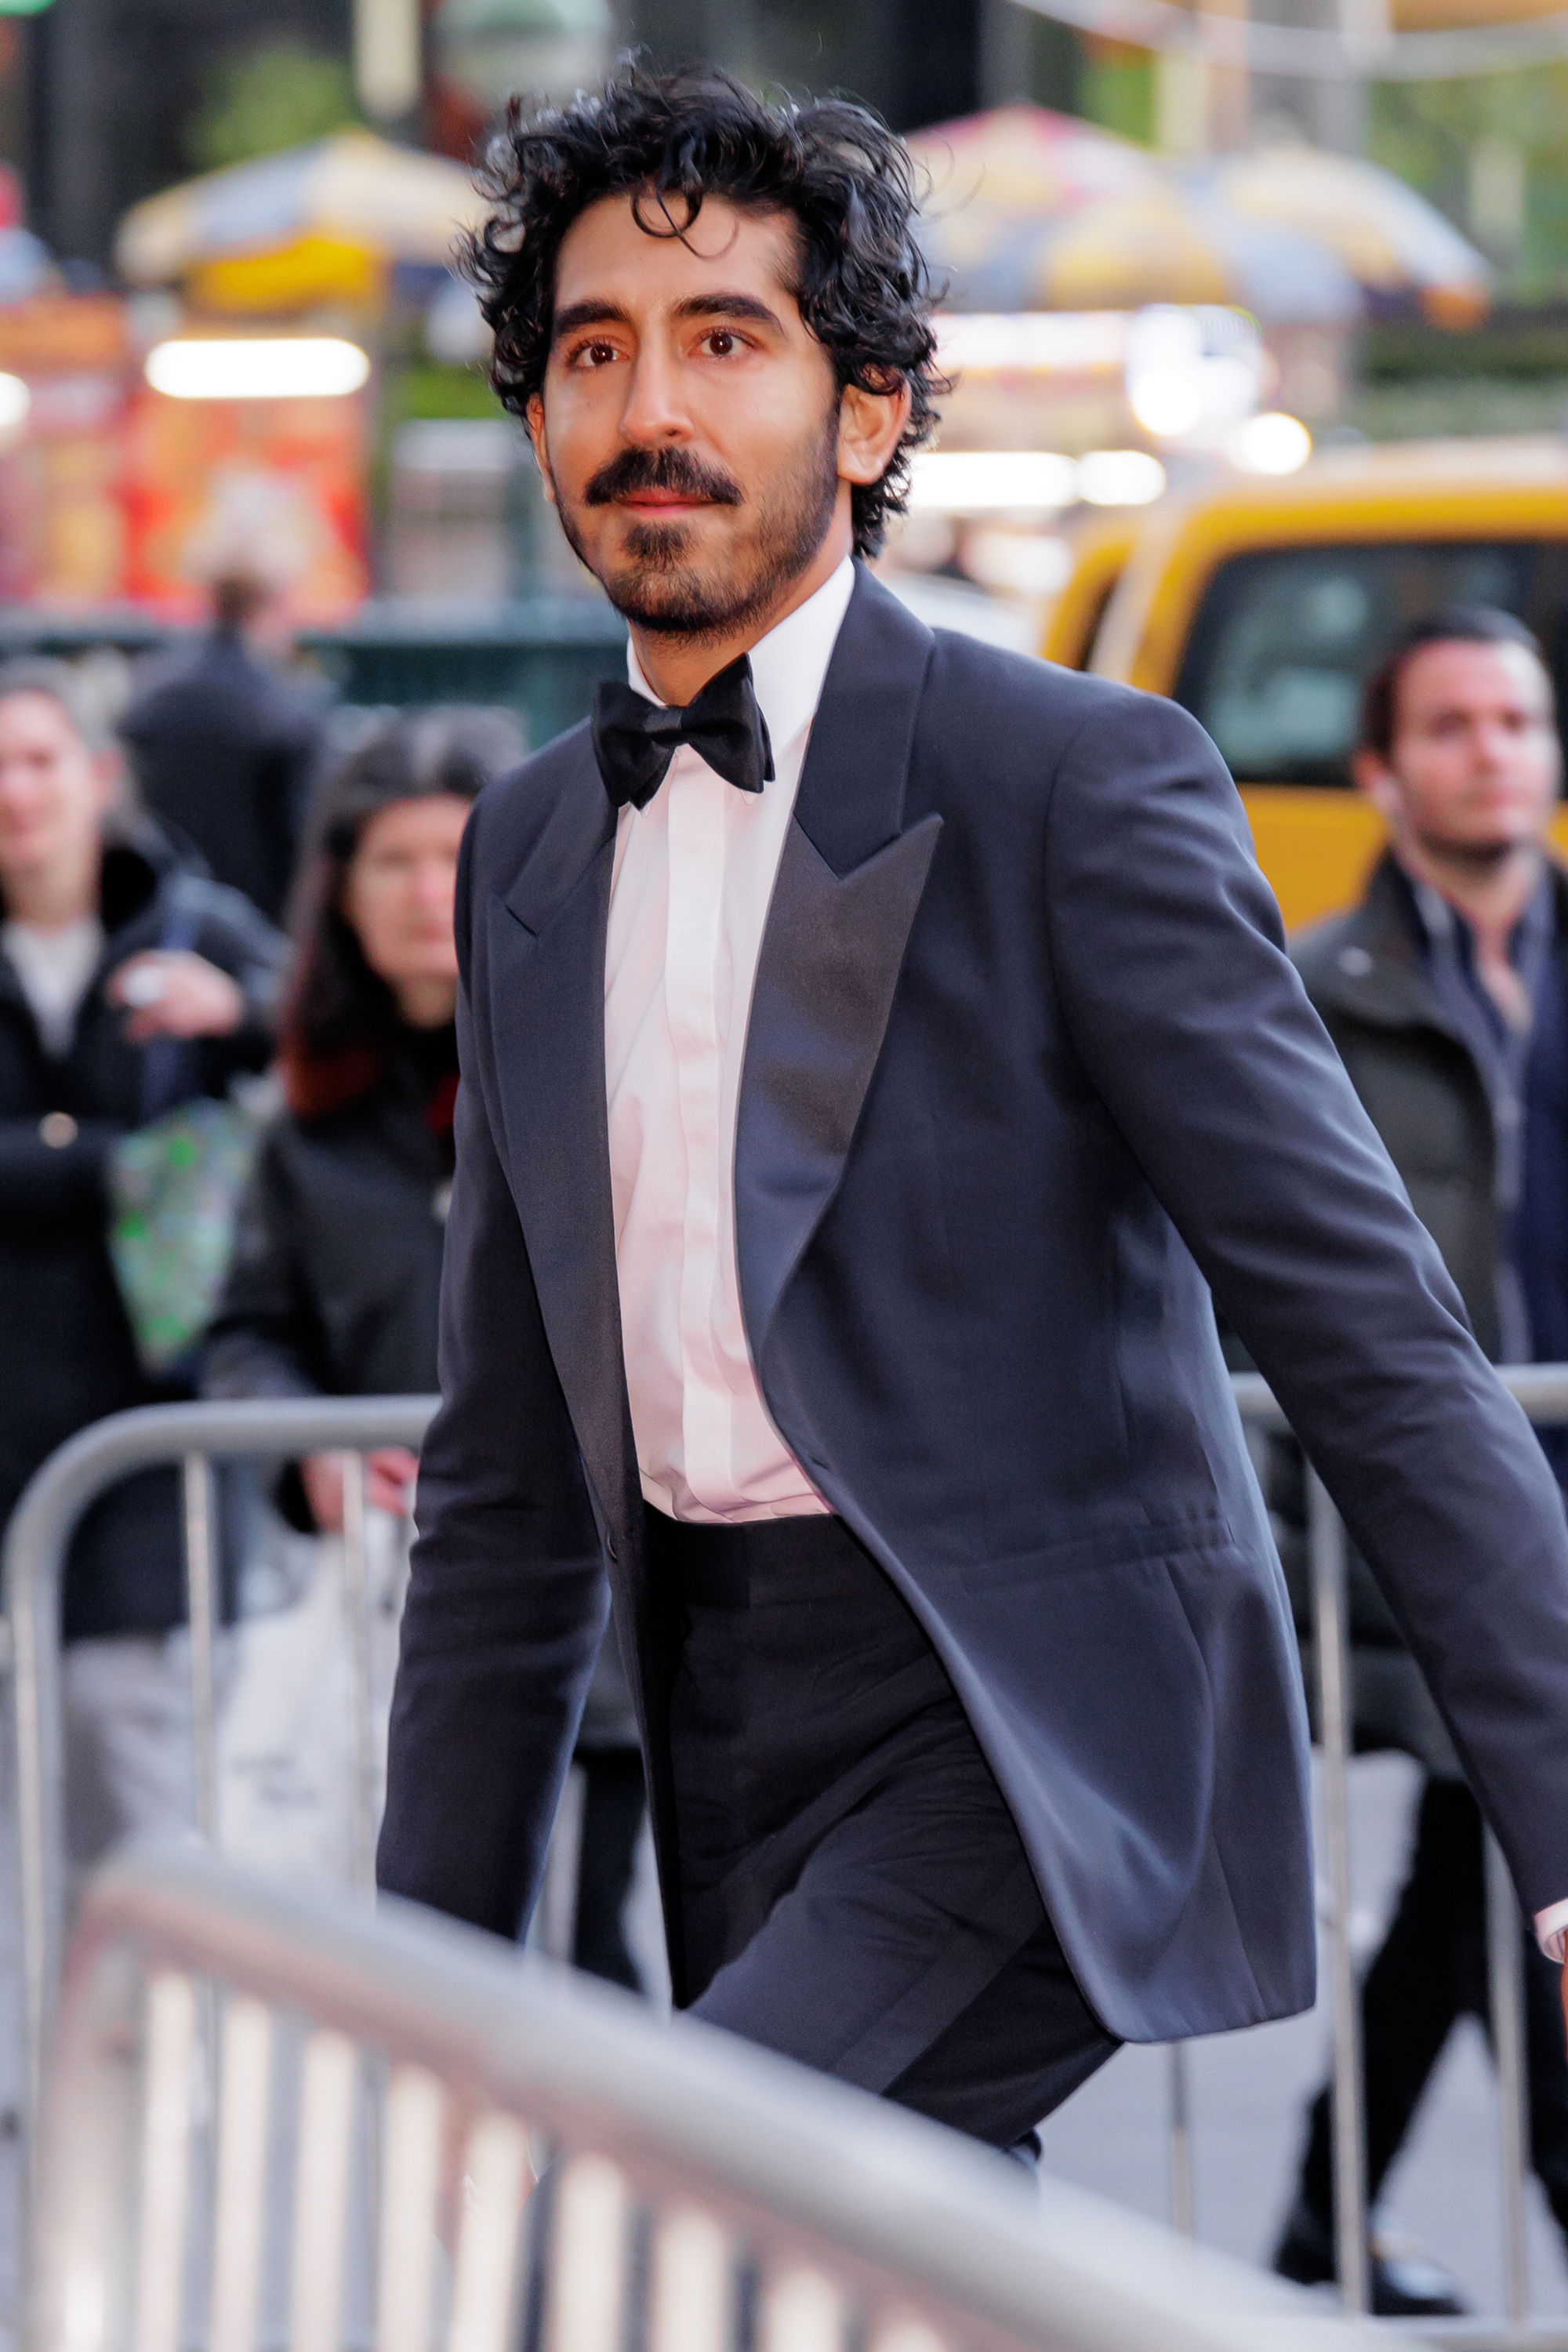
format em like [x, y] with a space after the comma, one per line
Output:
[319, 222]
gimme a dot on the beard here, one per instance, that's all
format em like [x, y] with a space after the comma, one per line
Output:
[660, 583]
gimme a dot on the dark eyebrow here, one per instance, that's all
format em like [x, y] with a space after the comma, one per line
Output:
[591, 313]
[729, 305]
[587, 314]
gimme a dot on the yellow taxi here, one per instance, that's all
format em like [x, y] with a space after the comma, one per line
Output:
[1262, 604]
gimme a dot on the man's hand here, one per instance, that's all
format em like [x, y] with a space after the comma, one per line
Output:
[172, 993]
[389, 1475]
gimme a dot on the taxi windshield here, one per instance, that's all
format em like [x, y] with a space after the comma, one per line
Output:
[1284, 637]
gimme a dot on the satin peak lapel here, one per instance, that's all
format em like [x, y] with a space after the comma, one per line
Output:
[547, 1015]
[850, 885]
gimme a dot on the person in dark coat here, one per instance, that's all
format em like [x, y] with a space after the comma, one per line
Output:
[334, 1284]
[103, 1026]
[1446, 992]
[225, 752]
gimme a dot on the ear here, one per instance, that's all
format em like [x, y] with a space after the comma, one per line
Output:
[1376, 778]
[871, 424]
[535, 415]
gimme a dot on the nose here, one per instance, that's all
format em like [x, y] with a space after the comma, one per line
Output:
[655, 416]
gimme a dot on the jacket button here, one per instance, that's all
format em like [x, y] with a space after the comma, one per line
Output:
[1355, 960]
[57, 1128]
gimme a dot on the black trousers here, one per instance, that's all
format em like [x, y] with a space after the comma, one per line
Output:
[615, 1800]
[853, 1893]
[1430, 1971]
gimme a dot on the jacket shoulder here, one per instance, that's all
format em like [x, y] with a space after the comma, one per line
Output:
[1053, 704]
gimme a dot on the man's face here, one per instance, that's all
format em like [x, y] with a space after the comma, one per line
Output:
[1474, 766]
[54, 791]
[689, 426]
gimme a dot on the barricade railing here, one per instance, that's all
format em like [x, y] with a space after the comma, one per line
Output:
[1542, 1391]
[282, 2118]
[38, 1540]
[196, 1435]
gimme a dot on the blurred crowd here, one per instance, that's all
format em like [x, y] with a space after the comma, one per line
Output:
[227, 1074]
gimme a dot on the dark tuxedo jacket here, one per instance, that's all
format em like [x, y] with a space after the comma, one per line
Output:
[1027, 1072]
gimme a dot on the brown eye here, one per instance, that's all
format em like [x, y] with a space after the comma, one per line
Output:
[720, 342]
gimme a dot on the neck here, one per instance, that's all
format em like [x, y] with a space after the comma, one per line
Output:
[48, 898]
[1490, 890]
[427, 1004]
[678, 667]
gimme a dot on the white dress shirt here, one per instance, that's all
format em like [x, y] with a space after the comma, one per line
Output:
[693, 878]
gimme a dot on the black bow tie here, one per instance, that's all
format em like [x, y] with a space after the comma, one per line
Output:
[634, 739]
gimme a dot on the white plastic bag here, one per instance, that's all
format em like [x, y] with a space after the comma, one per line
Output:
[284, 1735]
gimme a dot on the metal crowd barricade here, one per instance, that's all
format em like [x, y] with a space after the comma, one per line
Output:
[1542, 1391]
[551, 2170]
[195, 1434]
[37, 1542]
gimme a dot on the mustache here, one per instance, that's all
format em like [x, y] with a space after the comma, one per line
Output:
[660, 469]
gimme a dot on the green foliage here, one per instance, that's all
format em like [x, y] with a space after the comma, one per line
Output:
[1116, 90]
[428, 389]
[259, 101]
[1427, 131]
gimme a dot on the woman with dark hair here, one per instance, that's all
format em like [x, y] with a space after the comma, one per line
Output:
[337, 1261]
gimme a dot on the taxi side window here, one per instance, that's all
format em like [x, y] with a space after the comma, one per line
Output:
[1283, 639]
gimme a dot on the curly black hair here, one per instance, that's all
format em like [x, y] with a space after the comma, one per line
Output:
[862, 285]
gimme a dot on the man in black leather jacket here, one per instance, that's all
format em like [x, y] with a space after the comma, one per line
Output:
[1446, 992]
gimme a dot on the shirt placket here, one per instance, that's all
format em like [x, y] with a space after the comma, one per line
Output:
[691, 962]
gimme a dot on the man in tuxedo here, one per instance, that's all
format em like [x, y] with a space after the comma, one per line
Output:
[875, 1046]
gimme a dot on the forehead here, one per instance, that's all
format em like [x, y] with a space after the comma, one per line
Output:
[1454, 673]
[434, 820]
[38, 718]
[606, 256]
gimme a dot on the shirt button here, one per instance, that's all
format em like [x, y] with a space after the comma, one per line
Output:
[57, 1128]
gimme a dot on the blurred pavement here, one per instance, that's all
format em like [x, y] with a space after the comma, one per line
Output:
[1248, 2091]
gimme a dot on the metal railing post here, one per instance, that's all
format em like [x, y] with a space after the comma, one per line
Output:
[1326, 1538]
[201, 1601]
[356, 1607]
[1184, 2213]
[1505, 1975]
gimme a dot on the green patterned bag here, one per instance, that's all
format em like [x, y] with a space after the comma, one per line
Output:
[173, 1189]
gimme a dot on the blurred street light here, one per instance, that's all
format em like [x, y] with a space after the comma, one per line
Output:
[1271, 444]
[1190, 370]
[1119, 477]
[981, 481]
[284, 367]
[15, 401]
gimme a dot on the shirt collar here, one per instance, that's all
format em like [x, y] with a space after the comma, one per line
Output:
[1441, 924]
[789, 665]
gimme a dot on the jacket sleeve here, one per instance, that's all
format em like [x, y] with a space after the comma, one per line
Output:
[243, 943]
[507, 1597]
[47, 1185]
[1197, 1035]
